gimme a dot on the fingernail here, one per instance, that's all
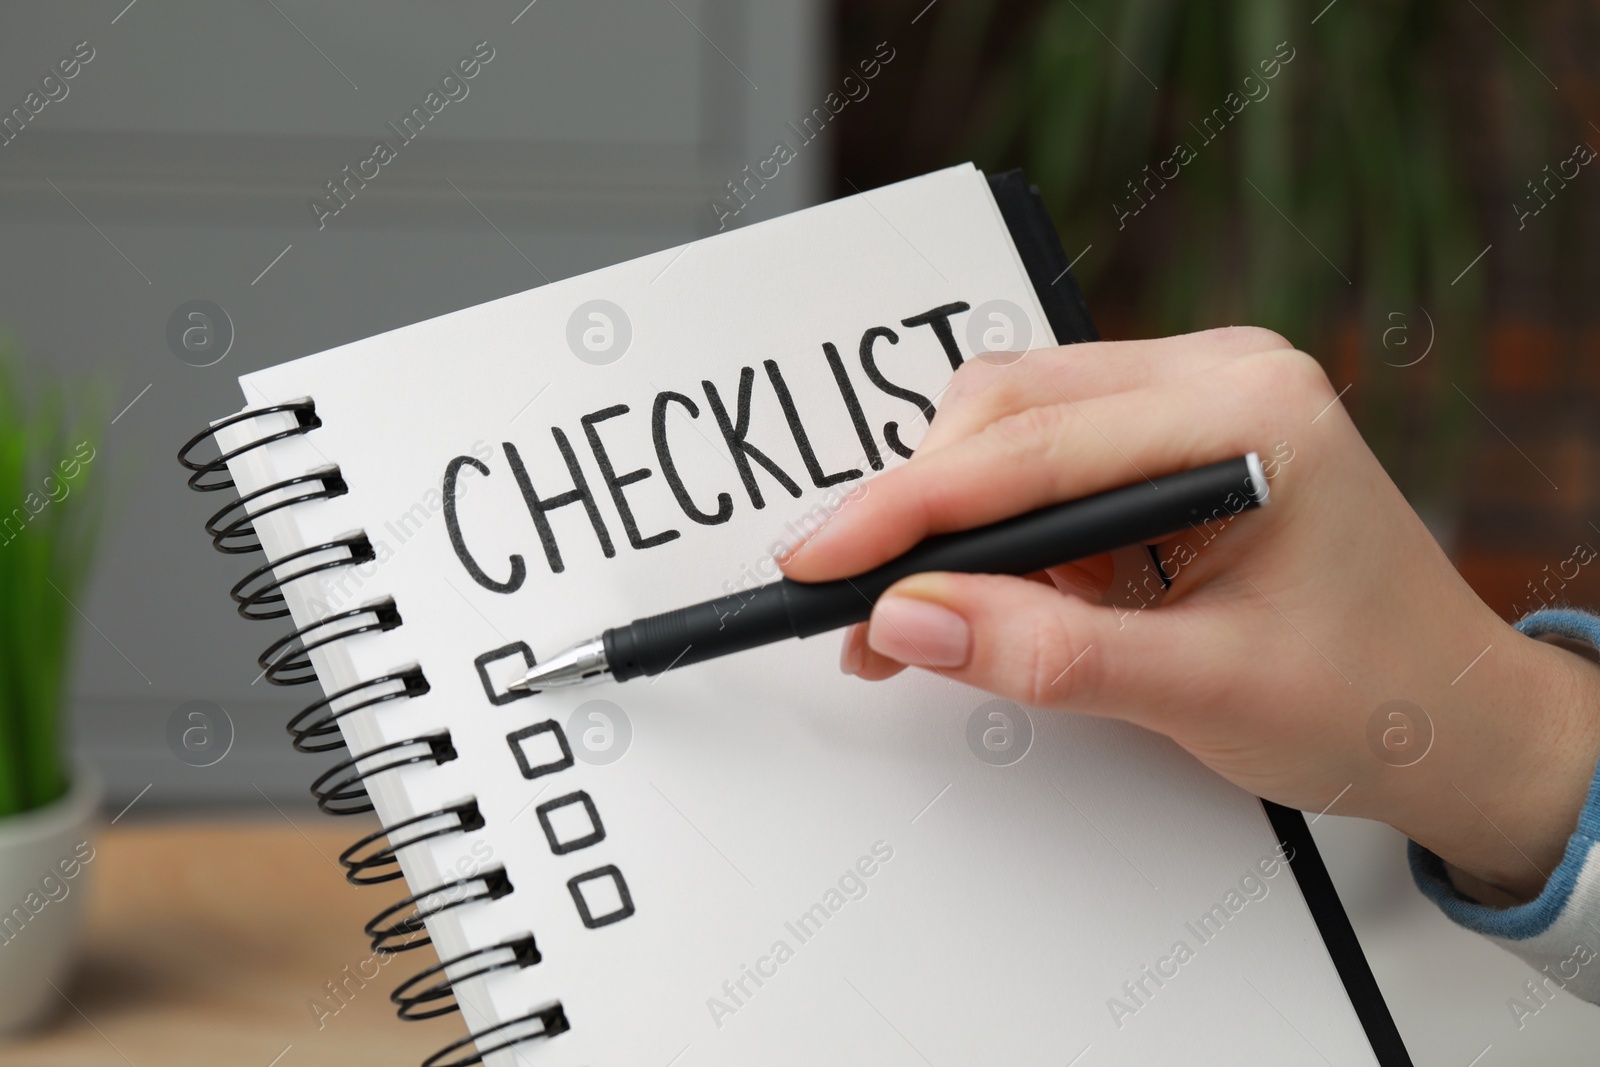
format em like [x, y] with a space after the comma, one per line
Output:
[853, 651]
[919, 632]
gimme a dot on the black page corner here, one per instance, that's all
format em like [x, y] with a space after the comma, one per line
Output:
[1039, 247]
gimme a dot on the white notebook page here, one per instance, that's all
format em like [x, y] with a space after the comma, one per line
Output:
[821, 869]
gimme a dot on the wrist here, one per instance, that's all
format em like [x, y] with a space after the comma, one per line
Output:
[1517, 753]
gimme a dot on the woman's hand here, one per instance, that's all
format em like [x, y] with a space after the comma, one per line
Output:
[1285, 629]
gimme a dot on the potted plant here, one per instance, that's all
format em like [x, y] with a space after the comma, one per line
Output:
[49, 517]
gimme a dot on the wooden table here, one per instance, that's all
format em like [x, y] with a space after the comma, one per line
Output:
[207, 942]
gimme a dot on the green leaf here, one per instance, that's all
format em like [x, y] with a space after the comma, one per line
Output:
[51, 504]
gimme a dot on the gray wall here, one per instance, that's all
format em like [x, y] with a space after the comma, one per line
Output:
[181, 162]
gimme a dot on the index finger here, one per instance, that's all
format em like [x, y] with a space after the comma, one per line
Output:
[1051, 453]
[993, 385]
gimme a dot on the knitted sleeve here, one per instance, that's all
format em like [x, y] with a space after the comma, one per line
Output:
[1558, 932]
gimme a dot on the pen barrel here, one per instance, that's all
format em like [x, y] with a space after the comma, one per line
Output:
[1144, 513]
[732, 623]
[1136, 514]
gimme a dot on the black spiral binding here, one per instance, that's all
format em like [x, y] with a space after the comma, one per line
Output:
[261, 587]
[237, 535]
[341, 790]
[287, 661]
[318, 720]
[363, 867]
[552, 1020]
[305, 419]
[391, 934]
[417, 1001]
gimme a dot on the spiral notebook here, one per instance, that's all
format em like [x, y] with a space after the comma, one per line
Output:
[756, 860]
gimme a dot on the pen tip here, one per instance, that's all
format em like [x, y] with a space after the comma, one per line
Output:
[534, 676]
[579, 665]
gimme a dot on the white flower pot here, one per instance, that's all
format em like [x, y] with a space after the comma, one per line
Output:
[45, 860]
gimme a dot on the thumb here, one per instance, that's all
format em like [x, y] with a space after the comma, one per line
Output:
[1028, 642]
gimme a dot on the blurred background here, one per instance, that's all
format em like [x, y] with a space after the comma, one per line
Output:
[1401, 187]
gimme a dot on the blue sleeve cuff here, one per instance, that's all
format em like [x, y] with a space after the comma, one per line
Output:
[1528, 920]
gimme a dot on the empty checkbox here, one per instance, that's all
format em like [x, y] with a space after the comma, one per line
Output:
[540, 749]
[571, 822]
[500, 667]
[601, 896]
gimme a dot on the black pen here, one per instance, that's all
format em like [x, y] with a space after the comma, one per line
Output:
[1136, 514]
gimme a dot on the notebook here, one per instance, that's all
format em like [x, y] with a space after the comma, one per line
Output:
[757, 859]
